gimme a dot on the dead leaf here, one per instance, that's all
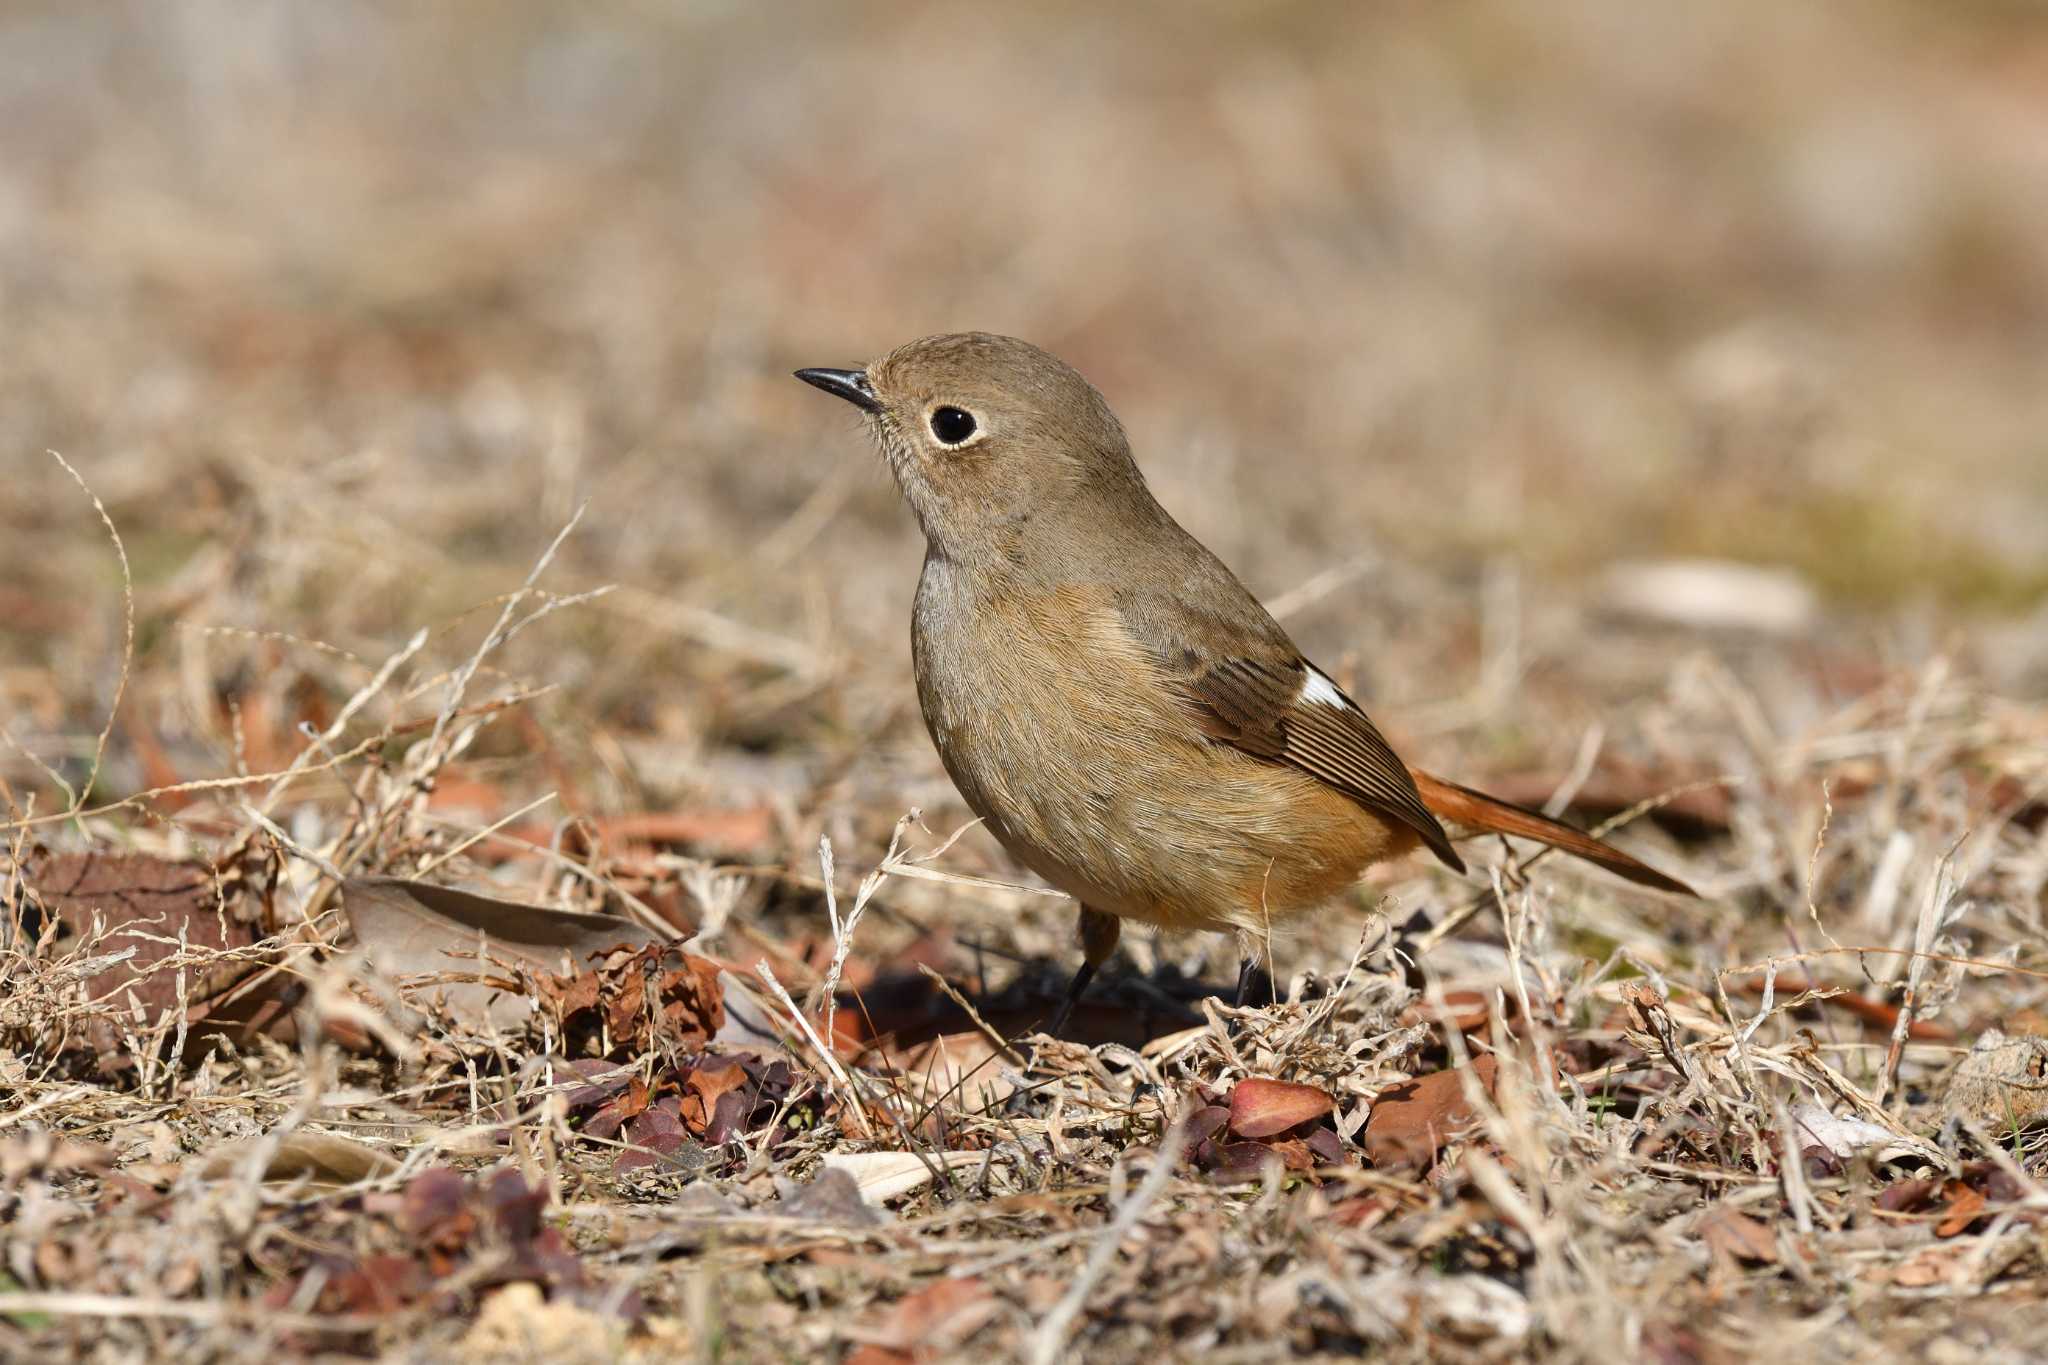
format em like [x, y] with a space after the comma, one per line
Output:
[882, 1176]
[1468, 1011]
[1261, 1108]
[1412, 1121]
[145, 905]
[872, 1354]
[738, 833]
[1844, 1135]
[320, 1158]
[1293, 1153]
[1874, 1012]
[659, 1138]
[686, 1008]
[931, 1323]
[635, 1001]
[448, 1232]
[1731, 1233]
[1908, 1196]
[963, 1070]
[831, 1196]
[1965, 1206]
[630, 1103]
[1684, 804]
[1936, 1265]
[2001, 1083]
[706, 1084]
[415, 929]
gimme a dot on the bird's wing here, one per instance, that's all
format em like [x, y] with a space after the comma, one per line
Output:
[1287, 710]
[1243, 682]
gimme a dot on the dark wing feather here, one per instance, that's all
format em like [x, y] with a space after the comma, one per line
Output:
[1255, 705]
[1241, 678]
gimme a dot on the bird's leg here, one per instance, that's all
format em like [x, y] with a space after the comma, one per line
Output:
[1255, 985]
[1098, 940]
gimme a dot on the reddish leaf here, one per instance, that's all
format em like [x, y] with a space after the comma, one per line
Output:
[1410, 1122]
[611, 1009]
[871, 1354]
[1363, 1210]
[737, 832]
[514, 1205]
[1965, 1206]
[1908, 1196]
[1262, 1108]
[729, 1119]
[145, 904]
[707, 1083]
[628, 1105]
[377, 1284]
[431, 1197]
[1202, 1127]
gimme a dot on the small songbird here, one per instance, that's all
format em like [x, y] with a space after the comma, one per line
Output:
[1126, 718]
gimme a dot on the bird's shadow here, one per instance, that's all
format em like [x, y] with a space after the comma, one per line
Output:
[901, 1009]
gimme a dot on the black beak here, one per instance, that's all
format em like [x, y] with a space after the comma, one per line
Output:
[852, 385]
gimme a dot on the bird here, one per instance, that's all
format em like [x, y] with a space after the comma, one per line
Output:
[1118, 709]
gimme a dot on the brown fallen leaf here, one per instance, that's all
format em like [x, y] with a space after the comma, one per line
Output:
[1698, 810]
[634, 1000]
[929, 1324]
[1936, 1265]
[663, 994]
[143, 906]
[1468, 1011]
[1412, 1121]
[1262, 1108]
[462, 948]
[745, 831]
[1730, 1233]
[706, 1083]
[962, 1070]
[322, 1159]
[445, 1237]
[1965, 1206]
[834, 1196]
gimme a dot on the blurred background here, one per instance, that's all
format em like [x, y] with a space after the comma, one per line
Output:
[1441, 324]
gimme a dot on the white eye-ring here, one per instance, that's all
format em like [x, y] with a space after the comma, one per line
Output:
[952, 427]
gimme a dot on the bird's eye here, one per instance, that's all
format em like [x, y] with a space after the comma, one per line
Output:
[951, 426]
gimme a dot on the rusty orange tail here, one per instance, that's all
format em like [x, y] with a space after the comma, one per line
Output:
[1456, 805]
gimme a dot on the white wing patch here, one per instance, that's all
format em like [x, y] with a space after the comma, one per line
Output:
[1317, 688]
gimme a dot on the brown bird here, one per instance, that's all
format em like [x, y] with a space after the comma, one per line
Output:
[1121, 712]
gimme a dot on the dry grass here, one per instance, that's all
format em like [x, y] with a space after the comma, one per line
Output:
[1435, 322]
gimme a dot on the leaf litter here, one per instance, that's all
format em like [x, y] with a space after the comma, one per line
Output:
[301, 1060]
